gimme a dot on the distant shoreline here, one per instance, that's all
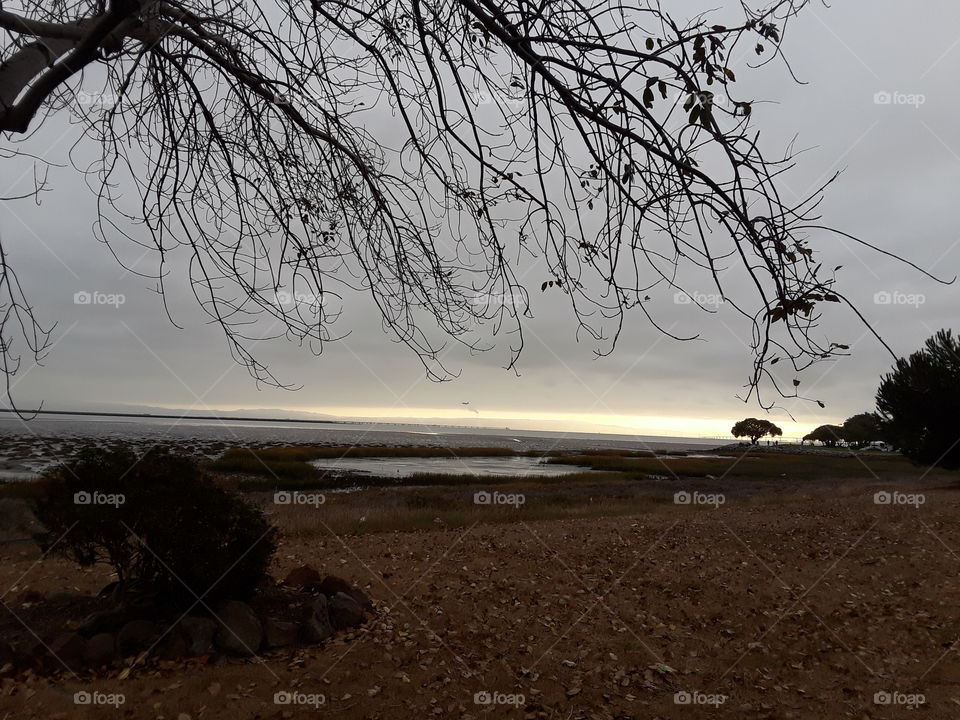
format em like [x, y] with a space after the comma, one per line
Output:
[159, 416]
[481, 429]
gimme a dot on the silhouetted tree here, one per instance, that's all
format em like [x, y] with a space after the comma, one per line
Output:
[829, 435]
[919, 403]
[755, 429]
[604, 137]
[861, 429]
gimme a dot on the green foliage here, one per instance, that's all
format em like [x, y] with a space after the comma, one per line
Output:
[829, 435]
[919, 400]
[157, 519]
[755, 429]
[861, 429]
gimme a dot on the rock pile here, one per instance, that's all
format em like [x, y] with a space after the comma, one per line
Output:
[306, 608]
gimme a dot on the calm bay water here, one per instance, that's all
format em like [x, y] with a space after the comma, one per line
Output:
[28, 446]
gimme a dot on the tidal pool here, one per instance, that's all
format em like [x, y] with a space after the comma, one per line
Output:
[479, 466]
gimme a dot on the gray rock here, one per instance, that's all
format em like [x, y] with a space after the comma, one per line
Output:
[239, 631]
[363, 600]
[66, 648]
[199, 632]
[332, 585]
[304, 577]
[280, 633]
[345, 612]
[135, 636]
[173, 645]
[105, 621]
[316, 626]
[100, 649]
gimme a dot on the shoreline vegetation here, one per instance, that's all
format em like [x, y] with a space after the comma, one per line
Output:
[608, 483]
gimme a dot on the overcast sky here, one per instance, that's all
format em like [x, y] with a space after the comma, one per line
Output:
[900, 189]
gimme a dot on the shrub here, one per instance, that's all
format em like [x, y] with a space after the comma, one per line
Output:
[157, 519]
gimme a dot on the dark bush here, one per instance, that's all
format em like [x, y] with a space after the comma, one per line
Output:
[919, 401]
[157, 520]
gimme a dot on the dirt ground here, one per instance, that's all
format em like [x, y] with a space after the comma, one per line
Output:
[819, 604]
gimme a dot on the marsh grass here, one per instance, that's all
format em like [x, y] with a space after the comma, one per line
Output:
[410, 510]
[336, 481]
[749, 465]
[612, 483]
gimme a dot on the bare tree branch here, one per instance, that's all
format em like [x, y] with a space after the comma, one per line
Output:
[600, 146]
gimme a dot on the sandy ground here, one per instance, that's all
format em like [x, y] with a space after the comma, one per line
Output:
[780, 606]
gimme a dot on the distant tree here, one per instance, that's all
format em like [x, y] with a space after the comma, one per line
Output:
[861, 429]
[755, 429]
[829, 435]
[919, 401]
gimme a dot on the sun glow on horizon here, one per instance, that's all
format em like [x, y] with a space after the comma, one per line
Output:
[584, 422]
[587, 422]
